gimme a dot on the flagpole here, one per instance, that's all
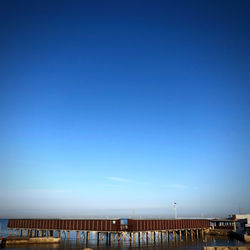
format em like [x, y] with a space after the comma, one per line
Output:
[175, 211]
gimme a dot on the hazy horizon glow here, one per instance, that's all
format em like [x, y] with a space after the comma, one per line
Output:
[124, 107]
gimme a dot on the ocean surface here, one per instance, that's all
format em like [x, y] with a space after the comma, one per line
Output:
[126, 244]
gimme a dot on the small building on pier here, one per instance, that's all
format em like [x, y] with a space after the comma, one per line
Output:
[242, 222]
[222, 224]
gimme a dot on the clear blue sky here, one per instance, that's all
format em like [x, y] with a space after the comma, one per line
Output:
[124, 105]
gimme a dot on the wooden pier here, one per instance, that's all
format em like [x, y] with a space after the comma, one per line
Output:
[135, 230]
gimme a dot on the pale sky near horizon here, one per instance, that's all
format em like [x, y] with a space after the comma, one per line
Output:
[124, 106]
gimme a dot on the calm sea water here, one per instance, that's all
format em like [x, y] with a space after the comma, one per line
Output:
[196, 244]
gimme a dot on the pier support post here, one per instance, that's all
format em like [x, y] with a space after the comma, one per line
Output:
[87, 239]
[67, 235]
[107, 238]
[111, 238]
[77, 235]
[139, 238]
[186, 232]
[173, 235]
[191, 232]
[133, 237]
[98, 238]
[147, 237]
[159, 239]
[167, 235]
[197, 233]
[180, 235]
[143, 234]
[59, 234]
[154, 237]
[11, 232]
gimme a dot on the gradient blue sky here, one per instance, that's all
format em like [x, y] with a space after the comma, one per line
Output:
[124, 107]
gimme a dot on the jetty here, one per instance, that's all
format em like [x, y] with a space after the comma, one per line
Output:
[139, 230]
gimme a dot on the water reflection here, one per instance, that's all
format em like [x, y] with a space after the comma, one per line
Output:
[127, 243]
